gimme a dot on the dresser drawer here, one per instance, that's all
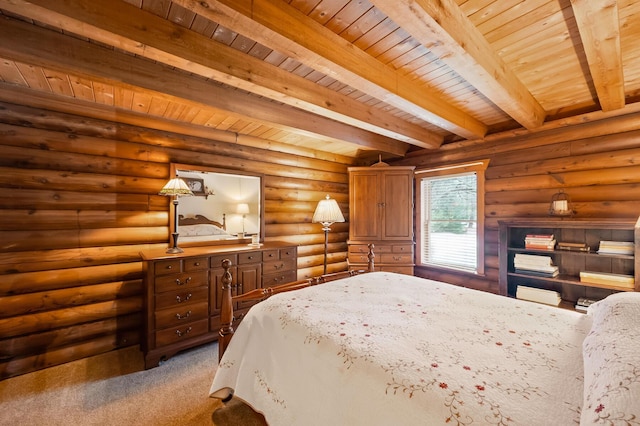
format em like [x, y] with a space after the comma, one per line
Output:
[288, 253]
[278, 266]
[270, 280]
[176, 316]
[181, 281]
[358, 258]
[196, 264]
[396, 258]
[364, 248]
[167, 267]
[358, 248]
[269, 255]
[402, 248]
[216, 261]
[181, 297]
[249, 257]
[182, 332]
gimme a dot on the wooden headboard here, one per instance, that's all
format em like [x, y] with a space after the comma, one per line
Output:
[200, 220]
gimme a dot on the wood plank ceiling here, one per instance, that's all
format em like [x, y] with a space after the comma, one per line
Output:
[347, 78]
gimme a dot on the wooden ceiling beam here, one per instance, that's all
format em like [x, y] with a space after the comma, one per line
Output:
[445, 30]
[34, 45]
[150, 36]
[286, 30]
[599, 27]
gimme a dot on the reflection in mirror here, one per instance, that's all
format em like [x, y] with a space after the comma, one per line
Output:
[227, 206]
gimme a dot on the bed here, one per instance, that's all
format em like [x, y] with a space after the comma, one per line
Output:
[200, 228]
[388, 349]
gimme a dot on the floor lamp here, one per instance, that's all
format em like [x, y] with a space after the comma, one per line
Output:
[174, 188]
[327, 213]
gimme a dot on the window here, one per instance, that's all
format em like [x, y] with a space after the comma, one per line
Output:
[451, 217]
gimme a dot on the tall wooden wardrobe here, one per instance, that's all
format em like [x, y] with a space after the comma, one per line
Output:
[381, 212]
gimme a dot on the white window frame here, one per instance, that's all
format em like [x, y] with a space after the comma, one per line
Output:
[478, 167]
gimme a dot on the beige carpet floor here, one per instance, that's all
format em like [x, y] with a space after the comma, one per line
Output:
[114, 389]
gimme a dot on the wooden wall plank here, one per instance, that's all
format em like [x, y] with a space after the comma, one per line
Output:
[18, 262]
[49, 300]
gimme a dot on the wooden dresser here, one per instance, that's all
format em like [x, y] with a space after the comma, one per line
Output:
[381, 212]
[183, 291]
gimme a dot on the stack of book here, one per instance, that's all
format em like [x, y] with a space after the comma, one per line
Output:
[548, 297]
[539, 242]
[531, 264]
[583, 304]
[608, 279]
[616, 247]
[562, 245]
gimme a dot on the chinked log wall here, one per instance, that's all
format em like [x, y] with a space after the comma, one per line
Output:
[80, 202]
[596, 163]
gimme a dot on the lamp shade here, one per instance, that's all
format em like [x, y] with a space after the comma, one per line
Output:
[175, 186]
[327, 211]
[560, 205]
[243, 208]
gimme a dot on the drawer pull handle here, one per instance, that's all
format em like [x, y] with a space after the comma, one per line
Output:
[280, 266]
[397, 257]
[170, 267]
[183, 333]
[187, 281]
[197, 264]
[270, 254]
[186, 315]
[250, 257]
[180, 300]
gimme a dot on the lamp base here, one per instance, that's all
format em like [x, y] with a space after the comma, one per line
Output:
[175, 248]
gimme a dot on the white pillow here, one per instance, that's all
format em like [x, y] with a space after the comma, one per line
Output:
[611, 355]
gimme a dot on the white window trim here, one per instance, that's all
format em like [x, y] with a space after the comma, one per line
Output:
[479, 167]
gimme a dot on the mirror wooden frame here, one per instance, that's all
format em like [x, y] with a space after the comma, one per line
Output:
[177, 168]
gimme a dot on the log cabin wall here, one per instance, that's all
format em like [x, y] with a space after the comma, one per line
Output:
[79, 204]
[596, 163]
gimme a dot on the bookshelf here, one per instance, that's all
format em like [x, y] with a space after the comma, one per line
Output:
[570, 262]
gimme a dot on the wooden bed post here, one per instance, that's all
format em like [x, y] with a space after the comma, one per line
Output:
[226, 311]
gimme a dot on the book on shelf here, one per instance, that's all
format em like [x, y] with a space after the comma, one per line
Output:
[535, 265]
[617, 243]
[532, 294]
[533, 259]
[607, 278]
[548, 247]
[581, 308]
[540, 236]
[582, 304]
[539, 241]
[616, 247]
[563, 245]
[537, 273]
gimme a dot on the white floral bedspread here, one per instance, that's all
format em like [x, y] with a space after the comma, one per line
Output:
[388, 349]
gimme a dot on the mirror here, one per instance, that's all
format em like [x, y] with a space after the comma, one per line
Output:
[227, 206]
